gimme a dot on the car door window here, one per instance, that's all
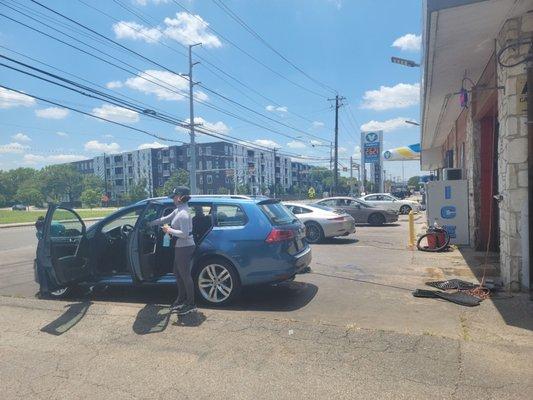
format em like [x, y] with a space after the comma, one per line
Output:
[388, 198]
[229, 215]
[65, 224]
[371, 198]
[121, 219]
[329, 203]
[304, 210]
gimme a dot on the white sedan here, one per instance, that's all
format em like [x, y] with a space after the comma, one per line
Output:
[389, 202]
[322, 222]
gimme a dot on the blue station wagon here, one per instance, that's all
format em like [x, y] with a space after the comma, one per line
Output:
[240, 241]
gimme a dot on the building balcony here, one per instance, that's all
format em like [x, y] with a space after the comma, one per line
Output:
[166, 159]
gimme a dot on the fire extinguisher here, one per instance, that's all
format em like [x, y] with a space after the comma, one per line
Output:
[437, 240]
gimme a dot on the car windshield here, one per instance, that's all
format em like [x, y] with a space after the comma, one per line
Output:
[277, 213]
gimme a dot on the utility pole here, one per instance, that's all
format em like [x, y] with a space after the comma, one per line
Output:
[192, 146]
[235, 169]
[274, 151]
[351, 175]
[338, 99]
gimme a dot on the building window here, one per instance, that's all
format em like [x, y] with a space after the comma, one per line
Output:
[188, 151]
[129, 157]
[130, 170]
[201, 179]
[209, 179]
[118, 171]
[119, 182]
[209, 165]
[172, 153]
[208, 151]
[118, 159]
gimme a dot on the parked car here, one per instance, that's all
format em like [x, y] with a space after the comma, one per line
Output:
[386, 200]
[322, 222]
[19, 207]
[362, 212]
[241, 241]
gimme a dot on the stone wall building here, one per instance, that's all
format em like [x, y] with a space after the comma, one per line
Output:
[474, 117]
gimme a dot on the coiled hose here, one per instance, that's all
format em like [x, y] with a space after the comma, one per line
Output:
[433, 232]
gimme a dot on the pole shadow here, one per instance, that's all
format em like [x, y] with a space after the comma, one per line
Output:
[73, 314]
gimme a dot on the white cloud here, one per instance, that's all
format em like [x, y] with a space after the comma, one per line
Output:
[108, 135]
[21, 137]
[296, 144]
[145, 2]
[52, 113]
[114, 85]
[135, 31]
[400, 96]
[343, 150]
[11, 99]
[336, 3]
[190, 29]
[12, 148]
[409, 42]
[185, 28]
[267, 143]
[52, 159]
[219, 126]
[62, 134]
[115, 113]
[318, 124]
[280, 109]
[153, 145]
[386, 126]
[99, 147]
[357, 153]
[156, 82]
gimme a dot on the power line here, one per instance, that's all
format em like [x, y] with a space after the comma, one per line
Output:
[247, 27]
[247, 53]
[155, 63]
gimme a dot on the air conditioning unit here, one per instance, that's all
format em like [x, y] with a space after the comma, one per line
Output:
[452, 174]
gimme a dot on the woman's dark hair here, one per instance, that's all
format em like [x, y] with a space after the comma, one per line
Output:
[185, 199]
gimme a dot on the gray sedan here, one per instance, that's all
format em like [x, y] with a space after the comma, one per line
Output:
[361, 211]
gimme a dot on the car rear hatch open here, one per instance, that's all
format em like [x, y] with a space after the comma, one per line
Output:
[286, 228]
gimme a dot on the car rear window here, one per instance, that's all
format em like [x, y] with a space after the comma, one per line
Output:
[277, 213]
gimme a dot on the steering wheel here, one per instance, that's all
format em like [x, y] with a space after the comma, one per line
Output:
[125, 230]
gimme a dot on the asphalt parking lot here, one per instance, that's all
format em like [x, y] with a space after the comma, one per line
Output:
[349, 329]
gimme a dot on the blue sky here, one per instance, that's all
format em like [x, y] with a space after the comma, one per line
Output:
[343, 44]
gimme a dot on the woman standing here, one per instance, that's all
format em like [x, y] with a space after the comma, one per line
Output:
[181, 228]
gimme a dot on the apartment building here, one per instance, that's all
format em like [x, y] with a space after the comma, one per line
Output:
[221, 167]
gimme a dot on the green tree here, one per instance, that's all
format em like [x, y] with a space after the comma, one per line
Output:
[91, 197]
[11, 181]
[29, 195]
[179, 177]
[137, 192]
[60, 181]
[93, 182]
[243, 189]
[414, 181]
[223, 190]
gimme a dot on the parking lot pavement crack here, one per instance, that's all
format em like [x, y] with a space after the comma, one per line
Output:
[460, 370]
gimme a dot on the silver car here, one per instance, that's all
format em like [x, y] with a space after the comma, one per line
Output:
[322, 222]
[360, 210]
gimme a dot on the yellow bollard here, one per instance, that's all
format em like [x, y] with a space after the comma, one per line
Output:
[411, 230]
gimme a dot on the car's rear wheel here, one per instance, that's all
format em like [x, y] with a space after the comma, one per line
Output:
[217, 282]
[405, 209]
[376, 219]
[313, 232]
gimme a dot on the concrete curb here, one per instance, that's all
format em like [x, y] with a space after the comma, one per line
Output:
[18, 225]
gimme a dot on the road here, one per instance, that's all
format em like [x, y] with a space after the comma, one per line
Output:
[349, 329]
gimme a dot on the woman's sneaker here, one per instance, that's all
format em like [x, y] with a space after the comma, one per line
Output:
[176, 307]
[186, 309]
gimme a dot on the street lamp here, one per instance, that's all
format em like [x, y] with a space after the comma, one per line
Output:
[404, 62]
[412, 123]
[330, 145]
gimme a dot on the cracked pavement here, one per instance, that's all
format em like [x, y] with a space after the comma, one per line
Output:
[348, 330]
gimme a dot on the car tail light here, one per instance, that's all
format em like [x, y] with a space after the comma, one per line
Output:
[279, 235]
[336, 219]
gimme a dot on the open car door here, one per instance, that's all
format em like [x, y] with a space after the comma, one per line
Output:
[143, 244]
[62, 249]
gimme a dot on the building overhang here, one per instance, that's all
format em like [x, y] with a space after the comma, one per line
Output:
[458, 40]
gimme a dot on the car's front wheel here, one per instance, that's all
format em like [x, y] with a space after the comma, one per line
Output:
[217, 282]
[313, 232]
[405, 209]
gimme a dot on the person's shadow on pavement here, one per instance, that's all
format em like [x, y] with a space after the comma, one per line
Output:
[193, 319]
[152, 318]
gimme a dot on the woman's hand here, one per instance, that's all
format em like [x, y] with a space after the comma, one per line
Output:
[166, 228]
